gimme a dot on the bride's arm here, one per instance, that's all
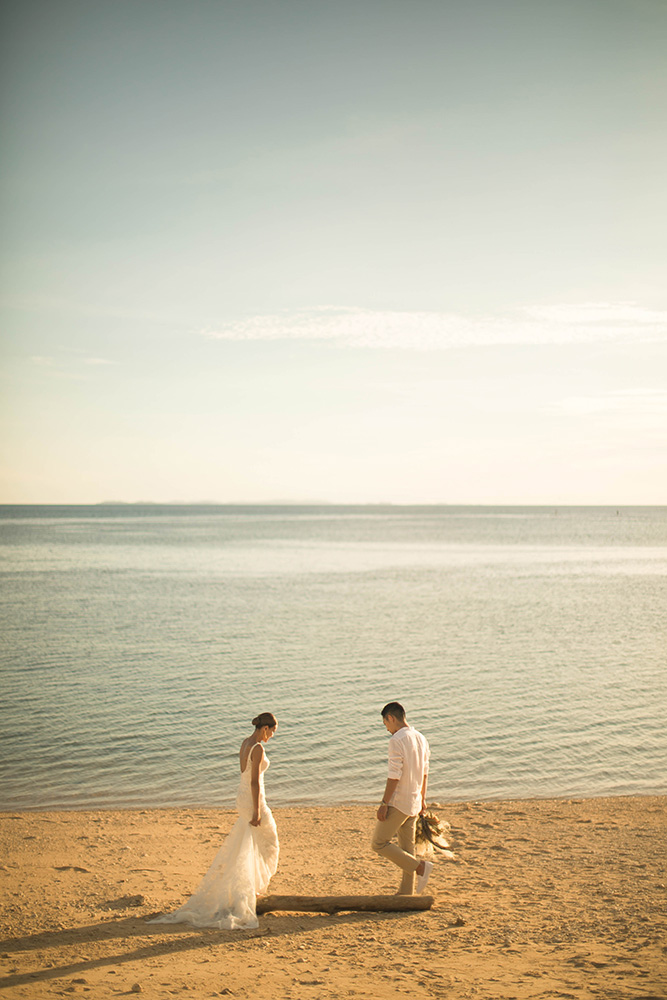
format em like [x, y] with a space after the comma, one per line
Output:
[255, 762]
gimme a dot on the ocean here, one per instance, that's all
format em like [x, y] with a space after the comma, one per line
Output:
[138, 641]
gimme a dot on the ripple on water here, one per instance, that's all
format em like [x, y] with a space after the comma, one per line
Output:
[531, 653]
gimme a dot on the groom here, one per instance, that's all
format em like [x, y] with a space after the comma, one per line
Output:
[403, 799]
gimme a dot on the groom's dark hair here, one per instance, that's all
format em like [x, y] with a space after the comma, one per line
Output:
[395, 709]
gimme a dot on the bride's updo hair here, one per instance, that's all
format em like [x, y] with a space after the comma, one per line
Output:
[265, 719]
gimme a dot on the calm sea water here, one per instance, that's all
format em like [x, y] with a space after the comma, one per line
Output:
[528, 645]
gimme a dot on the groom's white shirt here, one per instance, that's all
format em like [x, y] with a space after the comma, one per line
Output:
[408, 761]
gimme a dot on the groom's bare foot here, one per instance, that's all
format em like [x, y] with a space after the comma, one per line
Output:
[421, 868]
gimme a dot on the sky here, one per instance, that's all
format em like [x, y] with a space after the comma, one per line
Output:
[370, 251]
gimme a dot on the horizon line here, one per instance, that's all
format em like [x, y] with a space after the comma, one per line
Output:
[320, 503]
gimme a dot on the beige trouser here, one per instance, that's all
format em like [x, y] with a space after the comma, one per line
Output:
[402, 854]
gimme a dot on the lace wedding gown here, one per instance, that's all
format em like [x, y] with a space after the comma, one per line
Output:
[241, 870]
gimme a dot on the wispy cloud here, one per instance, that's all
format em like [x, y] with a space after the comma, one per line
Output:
[428, 331]
[639, 401]
[612, 314]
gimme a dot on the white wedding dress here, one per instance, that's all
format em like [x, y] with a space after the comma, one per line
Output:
[241, 870]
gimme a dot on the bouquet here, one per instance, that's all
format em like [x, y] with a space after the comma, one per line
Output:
[431, 832]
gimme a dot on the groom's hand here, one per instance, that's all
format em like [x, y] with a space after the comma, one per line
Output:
[382, 812]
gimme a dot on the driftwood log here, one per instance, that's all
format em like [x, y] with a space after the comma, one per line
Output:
[334, 904]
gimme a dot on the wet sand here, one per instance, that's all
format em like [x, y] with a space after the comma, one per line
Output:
[546, 899]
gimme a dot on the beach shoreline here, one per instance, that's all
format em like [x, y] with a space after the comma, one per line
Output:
[229, 804]
[546, 898]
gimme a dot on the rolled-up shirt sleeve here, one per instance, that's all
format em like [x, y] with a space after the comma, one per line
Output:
[395, 760]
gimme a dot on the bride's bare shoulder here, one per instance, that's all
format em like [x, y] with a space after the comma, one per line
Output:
[247, 749]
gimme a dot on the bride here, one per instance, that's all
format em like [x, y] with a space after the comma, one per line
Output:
[242, 868]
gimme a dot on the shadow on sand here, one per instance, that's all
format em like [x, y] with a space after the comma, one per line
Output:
[152, 941]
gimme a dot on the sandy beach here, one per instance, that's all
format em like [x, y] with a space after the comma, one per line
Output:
[546, 898]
